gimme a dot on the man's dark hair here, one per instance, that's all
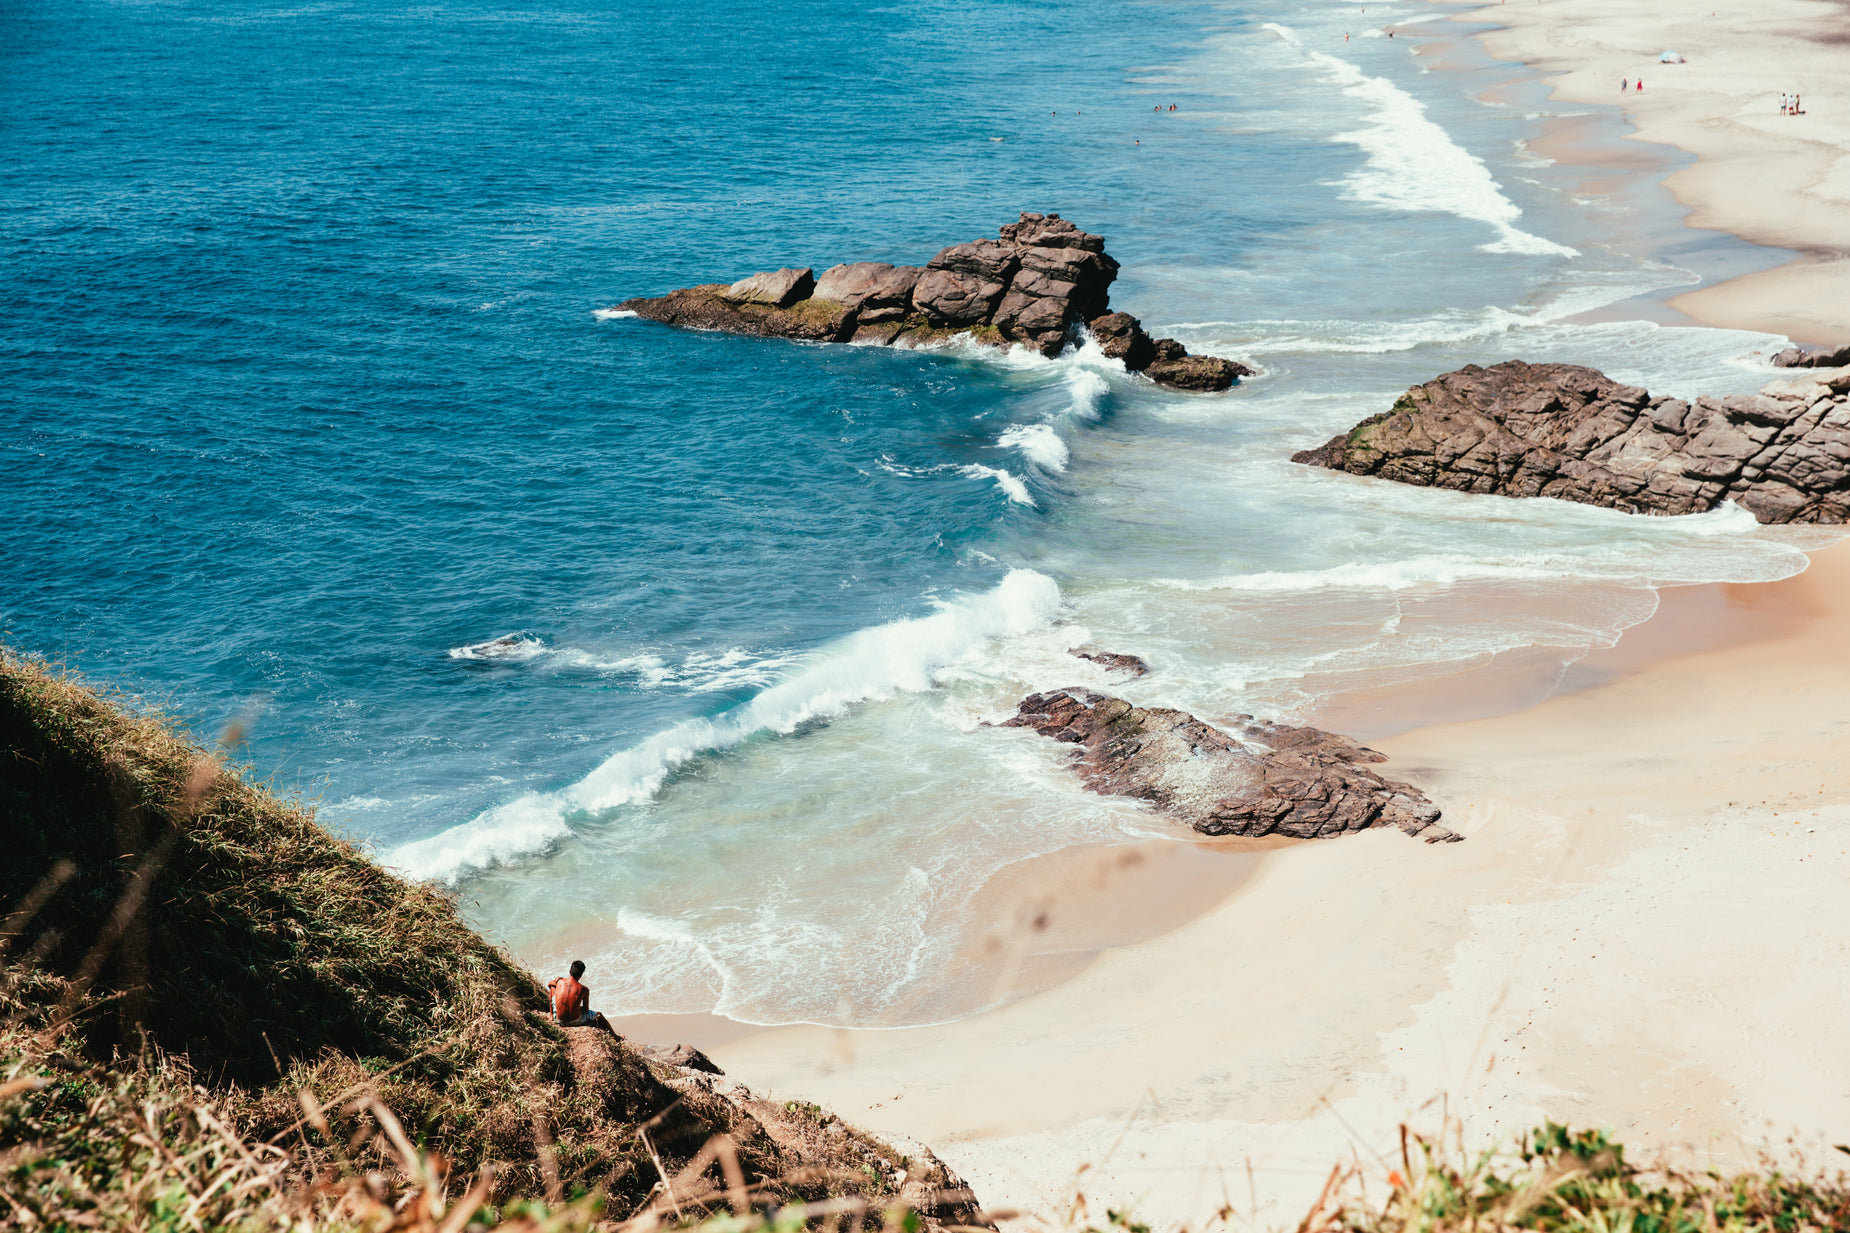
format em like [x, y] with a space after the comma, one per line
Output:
[578, 968]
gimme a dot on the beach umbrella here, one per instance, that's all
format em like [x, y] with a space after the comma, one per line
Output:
[1672, 57]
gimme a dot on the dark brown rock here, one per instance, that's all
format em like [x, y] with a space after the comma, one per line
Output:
[1560, 430]
[1121, 337]
[952, 297]
[1113, 660]
[1201, 373]
[1050, 231]
[878, 291]
[1797, 357]
[777, 288]
[1262, 779]
[1040, 322]
[983, 260]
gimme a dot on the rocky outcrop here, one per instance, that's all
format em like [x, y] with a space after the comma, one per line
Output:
[1559, 430]
[1112, 660]
[1263, 779]
[1796, 357]
[1036, 285]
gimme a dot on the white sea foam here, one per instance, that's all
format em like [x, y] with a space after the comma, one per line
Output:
[508, 648]
[1628, 560]
[1367, 575]
[612, 314]
[1087, 385]
[1413, 163]
[1038, 443]
[1007, 481]
[872, 663]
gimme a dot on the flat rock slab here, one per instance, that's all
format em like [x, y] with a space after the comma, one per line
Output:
[709, 308]
[778, 288]
[1261, 779]
[1561, 430]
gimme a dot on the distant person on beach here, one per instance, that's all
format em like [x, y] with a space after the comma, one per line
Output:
[571, 1001]
[1641, 85]
[1796, 109]
[1784, 104]
[1625, 84]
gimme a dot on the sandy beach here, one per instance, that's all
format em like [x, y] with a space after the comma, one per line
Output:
[1777, 180]
[1644, 929]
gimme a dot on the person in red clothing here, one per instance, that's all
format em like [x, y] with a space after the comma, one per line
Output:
[571, 1001]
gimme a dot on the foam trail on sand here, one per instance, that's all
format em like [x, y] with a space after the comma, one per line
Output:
[871, 663]
[1413, 163]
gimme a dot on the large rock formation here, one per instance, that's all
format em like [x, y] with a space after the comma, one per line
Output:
[1034, 286]
[1559, 430]
[1267, 779]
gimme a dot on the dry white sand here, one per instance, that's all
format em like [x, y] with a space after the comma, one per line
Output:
[1782, 181]
[1646, 929]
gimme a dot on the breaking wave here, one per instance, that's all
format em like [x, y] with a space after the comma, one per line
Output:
[869, 664]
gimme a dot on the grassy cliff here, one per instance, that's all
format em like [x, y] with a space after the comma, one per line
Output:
[177, 938]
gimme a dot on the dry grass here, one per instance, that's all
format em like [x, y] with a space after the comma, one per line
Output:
[217, 992]
[1563, 1181]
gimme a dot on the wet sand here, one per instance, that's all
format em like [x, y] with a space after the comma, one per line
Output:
[1782, 181]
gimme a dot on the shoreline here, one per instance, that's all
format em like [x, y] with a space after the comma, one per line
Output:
[1780, 182]
[1640, 855]
[1639, 933]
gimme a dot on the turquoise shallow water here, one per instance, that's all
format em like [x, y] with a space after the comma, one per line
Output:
[307, 395]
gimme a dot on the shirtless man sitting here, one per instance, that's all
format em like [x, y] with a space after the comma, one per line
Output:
[571, 1001]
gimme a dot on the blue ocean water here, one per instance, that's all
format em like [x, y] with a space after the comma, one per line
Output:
[307, 395]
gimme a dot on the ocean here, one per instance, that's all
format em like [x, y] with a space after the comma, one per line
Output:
[676, 651]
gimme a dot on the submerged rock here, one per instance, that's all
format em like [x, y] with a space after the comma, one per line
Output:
[1035, 285]
[1113, 660]
[1202, 373]
[1798, 357]
[1264, 779]
[1560, 430]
